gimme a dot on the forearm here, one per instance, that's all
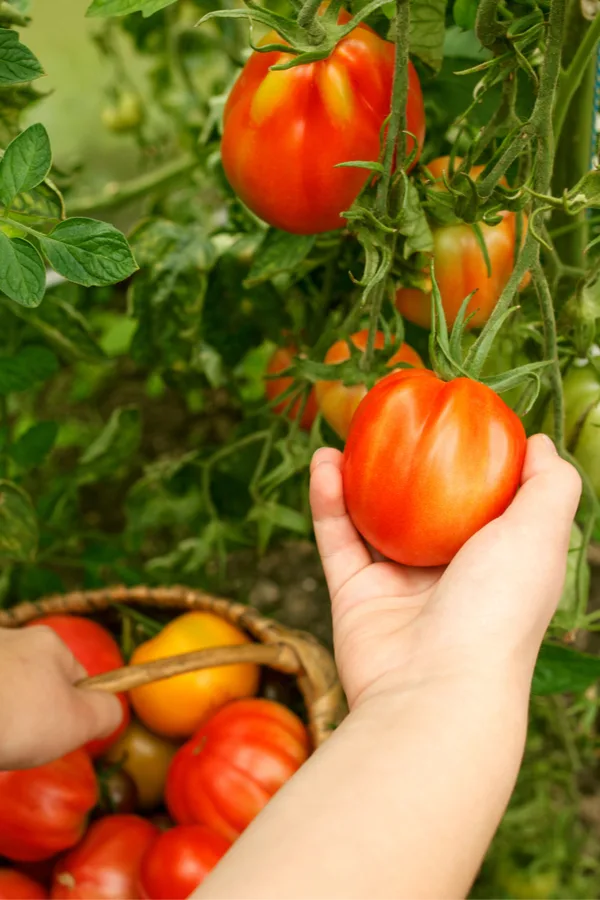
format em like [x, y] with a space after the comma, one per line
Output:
[402, 801]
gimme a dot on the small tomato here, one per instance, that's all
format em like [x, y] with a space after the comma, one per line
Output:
[282, 359]
[146, 758]
[179, 860]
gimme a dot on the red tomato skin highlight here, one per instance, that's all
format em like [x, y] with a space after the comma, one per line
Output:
[428, 463]
[179, 861]
[285, 131]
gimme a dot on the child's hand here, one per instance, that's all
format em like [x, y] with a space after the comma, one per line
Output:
[397, 626]
[42, 716]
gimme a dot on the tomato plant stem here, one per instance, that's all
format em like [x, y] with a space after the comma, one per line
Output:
[551, 352]
[586, 36]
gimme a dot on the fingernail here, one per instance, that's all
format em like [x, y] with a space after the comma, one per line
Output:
[548, 441]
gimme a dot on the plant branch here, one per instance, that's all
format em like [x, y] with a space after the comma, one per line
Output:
[551, 352]
[487, 27]
[571, 78]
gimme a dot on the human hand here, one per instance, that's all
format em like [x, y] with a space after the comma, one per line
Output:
[42, 715]
[396, 626]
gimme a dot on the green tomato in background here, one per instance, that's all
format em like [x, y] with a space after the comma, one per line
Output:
[126, 114]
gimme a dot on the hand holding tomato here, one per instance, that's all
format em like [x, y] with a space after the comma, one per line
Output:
[395, 625]
[42, 716]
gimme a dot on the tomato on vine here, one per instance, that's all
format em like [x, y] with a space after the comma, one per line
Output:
[281, 360]
[428, 463]
[285, 131]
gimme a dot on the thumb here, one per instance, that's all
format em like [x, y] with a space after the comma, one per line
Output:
[99, 714]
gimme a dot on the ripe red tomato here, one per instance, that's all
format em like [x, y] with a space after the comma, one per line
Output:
[234, 764]
[337, 401]
[284, 132]
[428, 463]
[106, 864]
[282, 359]
[179, 860]
[98, 652]
[460, 266]
[17, 886]
[44, 810]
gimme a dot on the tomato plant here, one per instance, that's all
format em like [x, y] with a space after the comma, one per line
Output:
[44, 810]
[97, 651]
[15, 885]
[145, 757]
[456, 443]
[179, 861]
[337, 401]
[234, 764]
[177, 706]
[106, 864]
[305, 407]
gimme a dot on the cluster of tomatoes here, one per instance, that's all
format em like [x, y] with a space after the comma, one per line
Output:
[148, 811]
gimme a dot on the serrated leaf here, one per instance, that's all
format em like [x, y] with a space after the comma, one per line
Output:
[25, 164]
[107, 8]
[559, 669]
[62, 325]
[22, 271]
[89, 252]
[34, 445]
[428, 30]
[279, 252]
[17, 63]
[30, 366]
[18, 524]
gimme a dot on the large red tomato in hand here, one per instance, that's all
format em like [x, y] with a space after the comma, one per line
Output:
[428, 463]
[179, 860]
[17, 886]
[44, 810]
[460, 265]
[98, 652]
[285, 131]
[338, 401]
[106, 864]
[280, 361]
[234, 764]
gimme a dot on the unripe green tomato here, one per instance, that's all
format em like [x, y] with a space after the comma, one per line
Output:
[124, 115]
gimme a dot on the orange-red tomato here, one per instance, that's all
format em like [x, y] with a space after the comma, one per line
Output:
[176, 707]
[231, 768]
[179, 860]
[98, 652]
[280, 361]
[106, 864]
[44, 810]
[285, 131]
[337, 401]
[428, 463]
[460, 266]
[17, 886]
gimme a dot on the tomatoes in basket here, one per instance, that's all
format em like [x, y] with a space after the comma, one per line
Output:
[338, 401]
[428, 463]
[15, 885]
[44, 810]
[280, 361]
[285, 131]
[460, 266]
[97, 651]
[234, 764]
[146, 758]
[106, 864]
[176, 707]
[179, 860]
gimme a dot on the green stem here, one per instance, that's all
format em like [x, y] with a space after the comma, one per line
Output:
[572, 77]
[10, 15]
[115, 194]
[6, 442]
[551, 353]
[487, 28]
[308, 18]
[395, 141]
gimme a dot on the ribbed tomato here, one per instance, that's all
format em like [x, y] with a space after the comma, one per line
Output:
[428, 463]
[337, 401]
[285, 131]
[179, 861]
[44, 810]
[460, 265]
[233, 765]
[281, 360]
[17, 886]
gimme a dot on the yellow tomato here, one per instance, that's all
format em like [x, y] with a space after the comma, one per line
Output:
[177, 706]
[146, 758]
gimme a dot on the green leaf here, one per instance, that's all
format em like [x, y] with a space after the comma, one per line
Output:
[116, 445]
[586, 193]
[560, 668]
[41, 207]
[427, 31]
[14, 99]
[34, 445]
[107, 8]
[465, 13]
[22, 271]
[18, 524]
[89, 252]
[25, 164]
[413, 223]
[17, 62]
[62, 325]
[30, 366]
[279, 252]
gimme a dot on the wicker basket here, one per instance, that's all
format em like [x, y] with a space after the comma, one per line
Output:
[291, 652]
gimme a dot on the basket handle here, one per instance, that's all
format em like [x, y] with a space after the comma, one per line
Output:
[277, 656]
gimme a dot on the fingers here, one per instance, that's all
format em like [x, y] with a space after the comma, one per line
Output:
[342, 550]
[99, 714]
